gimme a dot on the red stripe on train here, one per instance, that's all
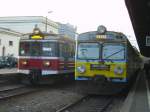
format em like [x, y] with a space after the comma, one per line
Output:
[38, 64]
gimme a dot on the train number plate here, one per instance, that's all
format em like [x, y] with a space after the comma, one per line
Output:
[99, 67]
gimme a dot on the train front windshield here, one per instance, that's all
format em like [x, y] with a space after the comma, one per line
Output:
[113, 51]
[38, 49]
[88, 51]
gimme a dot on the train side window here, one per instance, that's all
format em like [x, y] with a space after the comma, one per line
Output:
[61, 49]
[66, 50]
[72, 51]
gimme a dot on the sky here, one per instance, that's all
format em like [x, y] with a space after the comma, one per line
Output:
[86, 15]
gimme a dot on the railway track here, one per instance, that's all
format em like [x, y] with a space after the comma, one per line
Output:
[88, 104]
[4, 81]
[9, 78]
[7, 82]
[9, 91]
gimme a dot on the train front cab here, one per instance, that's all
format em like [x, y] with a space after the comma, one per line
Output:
[101, 66]
[46, 60]
[101, 73]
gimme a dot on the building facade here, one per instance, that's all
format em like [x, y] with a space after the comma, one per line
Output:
[67, 30]
[12, 29]
[25, 24]
[9, 42]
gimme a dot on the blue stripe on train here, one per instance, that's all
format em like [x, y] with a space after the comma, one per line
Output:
[113, 80]
[82, 78]
[119, 80]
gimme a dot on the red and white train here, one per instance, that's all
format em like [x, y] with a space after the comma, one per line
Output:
[45, 56]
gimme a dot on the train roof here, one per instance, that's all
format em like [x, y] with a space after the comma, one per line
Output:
[109, 35]
[46, 36]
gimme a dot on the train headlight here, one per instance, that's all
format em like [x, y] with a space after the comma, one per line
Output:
[46, 63]
[118, 70]
[81, 69]
[24, 62]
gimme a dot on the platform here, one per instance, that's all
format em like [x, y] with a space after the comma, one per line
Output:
[138, 99]
[8, 71]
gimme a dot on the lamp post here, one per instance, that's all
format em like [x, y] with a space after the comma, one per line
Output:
[47, 21]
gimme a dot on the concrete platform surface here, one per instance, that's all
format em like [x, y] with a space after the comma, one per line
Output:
[8, 71]
[138, 97]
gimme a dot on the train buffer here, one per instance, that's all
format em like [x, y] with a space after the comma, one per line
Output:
[138, 99]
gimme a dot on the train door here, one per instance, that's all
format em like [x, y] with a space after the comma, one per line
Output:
[63, 56]
[70, 56]
[61, 59]
[66, 55]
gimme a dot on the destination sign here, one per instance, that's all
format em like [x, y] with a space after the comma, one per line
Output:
[101, 36]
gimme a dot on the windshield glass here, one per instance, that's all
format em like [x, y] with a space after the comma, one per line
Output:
[49, 49]
[24, 49]
[113, 51]
[38, 49]
[88, 51]
[35, 48]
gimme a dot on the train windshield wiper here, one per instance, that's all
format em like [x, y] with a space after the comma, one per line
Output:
[114, 53]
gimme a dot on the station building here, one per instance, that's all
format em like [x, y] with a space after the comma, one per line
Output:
[67, 30]
[9, 42]
[12, 29]
[25, 24]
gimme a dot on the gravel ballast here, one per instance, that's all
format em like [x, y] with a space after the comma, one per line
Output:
[47, 100]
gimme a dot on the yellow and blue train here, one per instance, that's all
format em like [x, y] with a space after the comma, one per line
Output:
[105, 61]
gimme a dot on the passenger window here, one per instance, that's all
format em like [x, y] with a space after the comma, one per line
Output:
[62, 49]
